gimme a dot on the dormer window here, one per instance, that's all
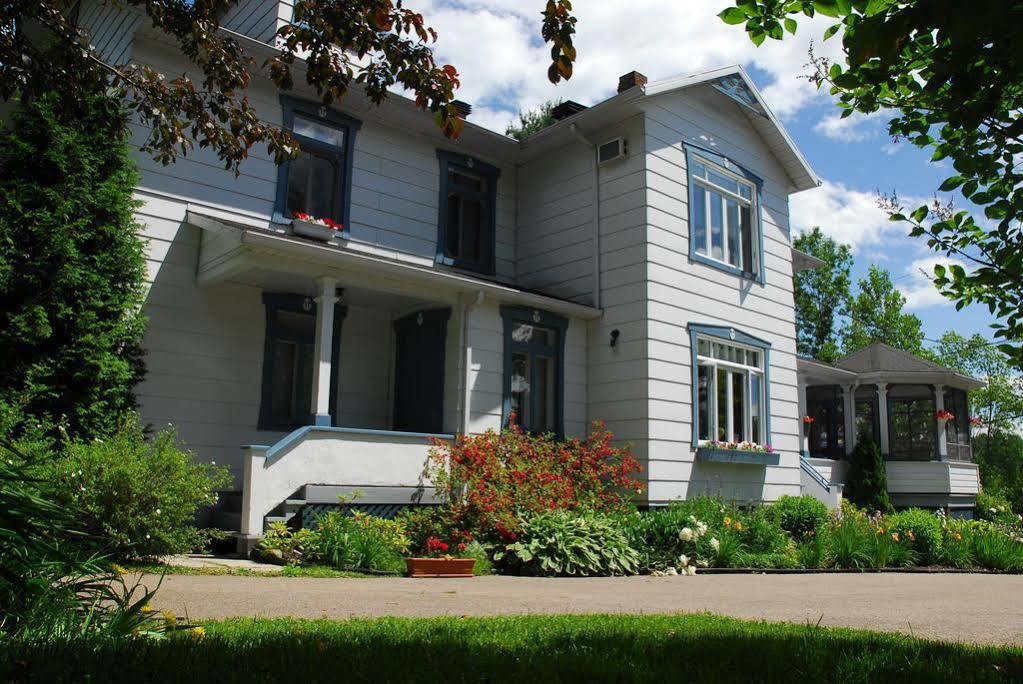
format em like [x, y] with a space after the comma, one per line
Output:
[318, 181]
[468, 198]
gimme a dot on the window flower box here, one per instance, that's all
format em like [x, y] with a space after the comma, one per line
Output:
[440, 567]
[737, 452]
[314, 228]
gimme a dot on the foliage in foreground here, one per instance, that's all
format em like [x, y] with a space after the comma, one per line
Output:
[516, 649]
[138, 497]
[72, 267]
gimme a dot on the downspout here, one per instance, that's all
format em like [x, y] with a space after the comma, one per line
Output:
[464, 343]
[596, 213]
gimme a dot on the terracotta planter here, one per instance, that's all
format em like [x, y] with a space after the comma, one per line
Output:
[313, 230]
[440, 567]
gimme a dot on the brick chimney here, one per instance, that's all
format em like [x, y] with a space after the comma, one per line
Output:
[631, 80]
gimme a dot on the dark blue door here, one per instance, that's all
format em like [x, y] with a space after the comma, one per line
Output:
[419, 371]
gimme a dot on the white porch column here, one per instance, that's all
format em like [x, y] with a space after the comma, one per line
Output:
[939, 405]
[323, 349]
[882, 416]
[849, 412]
[804, 430]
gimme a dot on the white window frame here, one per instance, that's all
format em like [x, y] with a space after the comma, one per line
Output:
[749, 372]
[706, 251]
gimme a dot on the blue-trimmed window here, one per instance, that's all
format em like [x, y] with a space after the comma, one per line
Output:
[731, 394]
[725, 230]
[534, 369]
[319, 181]
[468, 213]
[289, 363]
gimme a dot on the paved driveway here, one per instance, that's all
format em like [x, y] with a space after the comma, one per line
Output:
[958, 607]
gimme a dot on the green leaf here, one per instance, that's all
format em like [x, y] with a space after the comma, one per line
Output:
[790, 25]
[831, 30]
[951, 183]
[732, 15]
[758, 37]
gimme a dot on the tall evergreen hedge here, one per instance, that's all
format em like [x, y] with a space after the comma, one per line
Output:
[867, 481]
[72, 266]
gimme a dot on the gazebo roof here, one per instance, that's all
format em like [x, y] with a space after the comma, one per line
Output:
[883, 363]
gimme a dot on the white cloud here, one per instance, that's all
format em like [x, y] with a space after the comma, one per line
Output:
[495, 44]
[850, 216]
[920, 292]
[849, 129]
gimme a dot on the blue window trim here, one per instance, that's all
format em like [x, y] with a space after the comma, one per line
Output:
[758, 224]
[452, 160]
[522, 314]
[343, 154]
[728, 334]
[275, 301]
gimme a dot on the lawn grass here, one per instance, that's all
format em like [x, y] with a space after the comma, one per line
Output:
[690, 648]
[284, 571]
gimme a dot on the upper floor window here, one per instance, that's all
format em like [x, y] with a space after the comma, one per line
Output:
[723, 214]
[468, 198]
[318, 181]
[533, 371]
[731, 391]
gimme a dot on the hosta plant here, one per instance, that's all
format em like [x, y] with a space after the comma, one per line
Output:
[563, 543]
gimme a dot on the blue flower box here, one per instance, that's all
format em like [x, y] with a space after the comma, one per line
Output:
[716, 455]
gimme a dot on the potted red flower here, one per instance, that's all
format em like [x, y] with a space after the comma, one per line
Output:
[439, 561]
[316, 228]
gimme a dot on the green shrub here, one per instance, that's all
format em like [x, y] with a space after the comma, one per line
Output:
[849, 541]
[799, 515]
[424, 522]
[762, 534]
[812, 551]
[285, 546]
[72, 266]
[361, 542]
[655, 533]
[922, 530]
[867, 479]
[483, 556]
[991, 506]
[561, 543]
[139, 497]
[957, 544]
[994, 549]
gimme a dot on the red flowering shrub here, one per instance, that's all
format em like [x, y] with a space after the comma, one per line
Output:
[491, 481]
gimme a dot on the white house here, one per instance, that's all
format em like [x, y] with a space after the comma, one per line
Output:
[631, 262]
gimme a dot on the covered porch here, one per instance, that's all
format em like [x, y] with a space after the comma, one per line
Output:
[914, 409]
[368, 358]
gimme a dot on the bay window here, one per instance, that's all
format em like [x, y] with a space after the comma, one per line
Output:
[723, 214]
[731, 392]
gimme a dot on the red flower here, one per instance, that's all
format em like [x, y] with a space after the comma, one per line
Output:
[809, 420]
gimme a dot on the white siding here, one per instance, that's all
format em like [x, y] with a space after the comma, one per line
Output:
[680, 292]
[110, 27]
[257, 19]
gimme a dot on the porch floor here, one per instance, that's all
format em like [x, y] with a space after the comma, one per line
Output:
[977, 608]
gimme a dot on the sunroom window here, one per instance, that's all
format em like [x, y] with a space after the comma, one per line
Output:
[730, 392]
[723, 214]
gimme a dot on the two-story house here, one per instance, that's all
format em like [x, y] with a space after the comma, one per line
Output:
[631, 262]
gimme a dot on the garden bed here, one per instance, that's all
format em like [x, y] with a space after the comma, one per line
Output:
[514, 649]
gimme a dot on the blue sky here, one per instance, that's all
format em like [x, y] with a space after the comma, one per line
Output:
[496, 47]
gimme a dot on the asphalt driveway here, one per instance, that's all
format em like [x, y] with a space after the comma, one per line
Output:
[957, 607]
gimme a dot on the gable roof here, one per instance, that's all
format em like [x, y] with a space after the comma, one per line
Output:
[880, 358]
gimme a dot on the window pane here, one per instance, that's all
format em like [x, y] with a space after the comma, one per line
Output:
[294, 325]
[526, 333]
[703, 347]
[722, 181]
[722, 405]
[520, 388]
[745, 191]
[734, 244]
[699, 235]
[717, 228]
[454, 234]
[756, 419]
[282, 380]
[748, 264]
[738, 406]
[311, 183]
[318, 130]
[699, 170]
[466, 181]
[544, 399]
[703, 393]
[472, 224]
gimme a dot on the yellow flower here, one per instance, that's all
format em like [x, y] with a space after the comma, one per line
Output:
[118, 569]
[168, 617]
[198, 632]
[738, 526]
[728, 521]
[909, 533]
[895, 536]
[958, 536]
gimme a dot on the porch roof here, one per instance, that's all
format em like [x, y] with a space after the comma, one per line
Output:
[238, 245]
[883, 363]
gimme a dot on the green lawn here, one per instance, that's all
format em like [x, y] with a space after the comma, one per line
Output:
[519, 649]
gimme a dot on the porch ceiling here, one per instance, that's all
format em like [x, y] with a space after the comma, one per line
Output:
[259, 252]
